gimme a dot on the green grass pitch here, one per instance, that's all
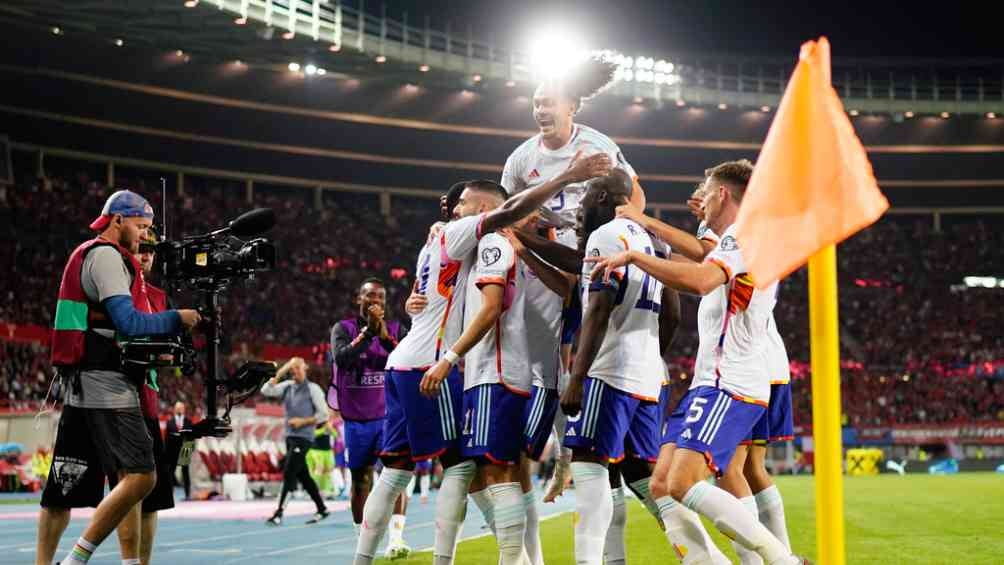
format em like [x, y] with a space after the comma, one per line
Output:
[908, 520]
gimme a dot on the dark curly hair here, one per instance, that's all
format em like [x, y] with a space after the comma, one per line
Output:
[587, 79]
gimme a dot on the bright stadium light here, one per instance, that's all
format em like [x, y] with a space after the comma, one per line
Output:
[294, 67]
[423, 68]
[310, 69]
[119, 43]
[554, 50]
[945, 115]
[908, 114]
[321, 72]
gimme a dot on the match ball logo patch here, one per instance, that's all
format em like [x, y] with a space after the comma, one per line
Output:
[490, 255]
[729, 243]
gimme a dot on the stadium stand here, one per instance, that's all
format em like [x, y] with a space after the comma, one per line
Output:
[908, 334]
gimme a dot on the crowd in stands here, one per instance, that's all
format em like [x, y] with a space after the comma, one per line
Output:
[919, 350]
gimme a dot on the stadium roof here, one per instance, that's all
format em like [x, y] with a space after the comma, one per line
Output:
[326, 35]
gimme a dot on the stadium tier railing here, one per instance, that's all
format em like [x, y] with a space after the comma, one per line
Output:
[921, 86]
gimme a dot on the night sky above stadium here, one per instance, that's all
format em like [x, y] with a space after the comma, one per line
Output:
[856, 29]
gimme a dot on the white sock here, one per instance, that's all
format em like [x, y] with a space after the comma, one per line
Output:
[80, 553]
[614, 552]
[747, 556]
[451, 508]
[687, 535]
[594, 503]
[423, 485]
[641, 488]
[483, 500]
[377, 512]
[731, 517]
[410, 489]
[510, 521]
[771, 513]
[396, 532]
[531, 541]
[133, 561]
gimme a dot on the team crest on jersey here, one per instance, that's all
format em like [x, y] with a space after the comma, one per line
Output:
[686, 434]
[67, 472]
[490, 255]
[701, 230]
[632, 230]
[729, 243]
[594, 252]
[534, 174]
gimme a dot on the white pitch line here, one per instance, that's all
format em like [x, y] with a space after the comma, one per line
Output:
[311, 545]
[256, 532]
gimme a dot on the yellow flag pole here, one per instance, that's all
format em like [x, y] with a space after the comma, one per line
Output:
[825, 347]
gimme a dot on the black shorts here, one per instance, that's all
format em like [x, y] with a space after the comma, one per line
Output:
[162, 495]
[93, 443]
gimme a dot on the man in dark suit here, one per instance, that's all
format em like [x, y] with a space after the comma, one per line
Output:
[177, 422]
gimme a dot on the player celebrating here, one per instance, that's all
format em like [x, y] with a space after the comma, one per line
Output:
[747, 478]
[611, 398]
[555, 104]
[731, 383]
[419, 427]
[496, 379]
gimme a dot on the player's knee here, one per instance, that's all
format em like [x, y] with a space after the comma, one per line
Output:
[362, 480]
[679, 487]
[141, 484]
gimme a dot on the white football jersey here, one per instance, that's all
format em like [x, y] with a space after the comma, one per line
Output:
[733, 323]
[629, 358]
[780, 368]
[443, 262]
[501, 356]
[532, 164]
[543, 331]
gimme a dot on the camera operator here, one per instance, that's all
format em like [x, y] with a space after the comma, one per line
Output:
[360, 346]
[303, 402]
[162, 495]
[102, 300]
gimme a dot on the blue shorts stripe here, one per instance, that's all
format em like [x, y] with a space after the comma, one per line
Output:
[716, 420]
[707, 425]
[529, 426]
[537, 413]
[595, 398]
[448, 415]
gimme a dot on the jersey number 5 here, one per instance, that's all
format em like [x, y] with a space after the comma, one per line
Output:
[696, 410]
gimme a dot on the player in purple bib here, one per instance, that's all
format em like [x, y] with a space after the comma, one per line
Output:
[359, 347]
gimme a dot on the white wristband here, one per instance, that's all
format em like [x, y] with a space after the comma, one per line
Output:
[451, 357]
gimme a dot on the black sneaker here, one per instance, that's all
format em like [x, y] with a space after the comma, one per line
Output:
[319, 516]
[275, 520]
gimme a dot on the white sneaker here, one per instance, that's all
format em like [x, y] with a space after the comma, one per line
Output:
[398, 550]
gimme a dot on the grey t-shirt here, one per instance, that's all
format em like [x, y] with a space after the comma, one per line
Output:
[103, 275]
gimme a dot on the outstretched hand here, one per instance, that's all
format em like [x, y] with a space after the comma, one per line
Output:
[606, 265]
[582, 168]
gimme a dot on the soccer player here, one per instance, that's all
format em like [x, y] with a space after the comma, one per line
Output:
[611, 398]
[747, 478]
[556, 101]
[496, 381]
[731, 385]
[419, 427]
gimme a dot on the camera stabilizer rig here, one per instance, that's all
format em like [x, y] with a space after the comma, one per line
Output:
[209, 263]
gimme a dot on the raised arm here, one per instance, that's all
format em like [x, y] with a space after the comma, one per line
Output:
[692, 278]
[561, 256]
[681, 241]
[560, 283]
[523, 204]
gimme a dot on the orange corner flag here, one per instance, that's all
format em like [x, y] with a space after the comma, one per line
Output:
[812, 185]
